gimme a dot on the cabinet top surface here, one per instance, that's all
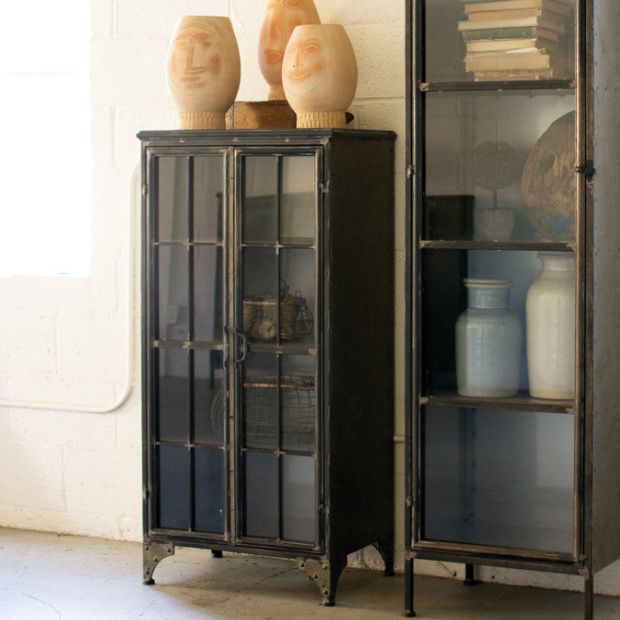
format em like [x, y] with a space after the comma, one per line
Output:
[262, 136]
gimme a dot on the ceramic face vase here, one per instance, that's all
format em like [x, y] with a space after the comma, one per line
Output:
[488, 342]
[319, 75]
[281, 18]
[204, 71]
[550, 311]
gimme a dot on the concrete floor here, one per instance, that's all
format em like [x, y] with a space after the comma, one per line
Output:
[46, 576]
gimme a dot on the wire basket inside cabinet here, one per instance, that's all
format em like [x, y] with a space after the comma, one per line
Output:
[297, 404]
[260, 316]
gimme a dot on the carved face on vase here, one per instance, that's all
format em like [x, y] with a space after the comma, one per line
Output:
[203, 65]
[282, 17]
[195, 59]
[306, 65]
[319, 74]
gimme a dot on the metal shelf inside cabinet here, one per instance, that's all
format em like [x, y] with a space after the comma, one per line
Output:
[277, 451]
[521, 403]
[300, 347]
[216, 345]
[499, 86]
[297, 244]
[526, 246]
[188, 244]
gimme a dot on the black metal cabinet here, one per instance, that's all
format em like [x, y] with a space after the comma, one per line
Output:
[523, 481]
[268, 345]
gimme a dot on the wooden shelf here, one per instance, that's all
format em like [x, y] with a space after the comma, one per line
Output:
[510, 86]
[523, 402]
[530, 246]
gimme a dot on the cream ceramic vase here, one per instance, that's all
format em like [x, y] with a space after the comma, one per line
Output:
[488, 342]
[281, 18]
[203, 70]
[319, 75]
[550, 312]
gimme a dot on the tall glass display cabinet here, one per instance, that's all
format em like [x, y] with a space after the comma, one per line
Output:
[513, 425]
[268, 345]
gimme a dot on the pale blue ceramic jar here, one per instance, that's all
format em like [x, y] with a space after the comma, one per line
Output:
[489, 337]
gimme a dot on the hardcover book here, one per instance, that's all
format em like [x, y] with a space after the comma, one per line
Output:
[498, 5]
[524, 22]
[510, 33]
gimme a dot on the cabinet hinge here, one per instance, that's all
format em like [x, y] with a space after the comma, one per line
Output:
[145, 493]
[410, 172]
[325, 188]
[145, 190]
[587, 169]
[409, 501]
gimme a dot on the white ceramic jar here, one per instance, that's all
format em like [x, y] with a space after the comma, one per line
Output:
[203, 70]
[319, 75]
[551, 328]
[489, 338]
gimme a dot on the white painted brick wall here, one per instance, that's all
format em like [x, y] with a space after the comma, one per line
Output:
[80, 472]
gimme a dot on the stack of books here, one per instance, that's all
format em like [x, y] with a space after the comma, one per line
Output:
[517, 39]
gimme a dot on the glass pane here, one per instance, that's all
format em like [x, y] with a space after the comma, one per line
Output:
[500, 167]
[173, 289]
[208, 293]
[499, 478]
[298, 498]
[479, 345]
[260, 401]
[173, 395]
[209, 397]
[208, 198]
[261, 495]
[210, 490]
[174, 496]
[475, 41]
[259, 209]
[172, 198]
[298, 295]
[260, 290]
[298, 402]
[298, 206]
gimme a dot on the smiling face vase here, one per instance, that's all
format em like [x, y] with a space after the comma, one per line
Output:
[281, 18]
[203, 70]
[319, 75]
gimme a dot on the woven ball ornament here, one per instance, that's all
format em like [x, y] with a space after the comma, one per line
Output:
[548, 186]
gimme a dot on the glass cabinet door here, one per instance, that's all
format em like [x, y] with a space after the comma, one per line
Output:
[188, 298]
[498, 41]
[276, 310]
[497, 208]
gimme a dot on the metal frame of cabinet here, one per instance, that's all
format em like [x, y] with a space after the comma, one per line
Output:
[597, 252]
[353, 251]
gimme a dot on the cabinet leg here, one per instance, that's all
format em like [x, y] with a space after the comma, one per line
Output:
[470, 575]
[386, 550]
[589, 597]
[218, 555]
[408, 610]
[152, 555]
[325, 573]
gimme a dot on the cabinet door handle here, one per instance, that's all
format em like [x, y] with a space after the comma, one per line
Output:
[242, 345]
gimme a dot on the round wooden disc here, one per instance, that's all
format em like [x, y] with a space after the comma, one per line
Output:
[548, 185]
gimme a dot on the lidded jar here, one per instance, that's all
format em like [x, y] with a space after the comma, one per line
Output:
[204, 70]
[281, 18]
[489, 337]
[319, 75]
[551, 328]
